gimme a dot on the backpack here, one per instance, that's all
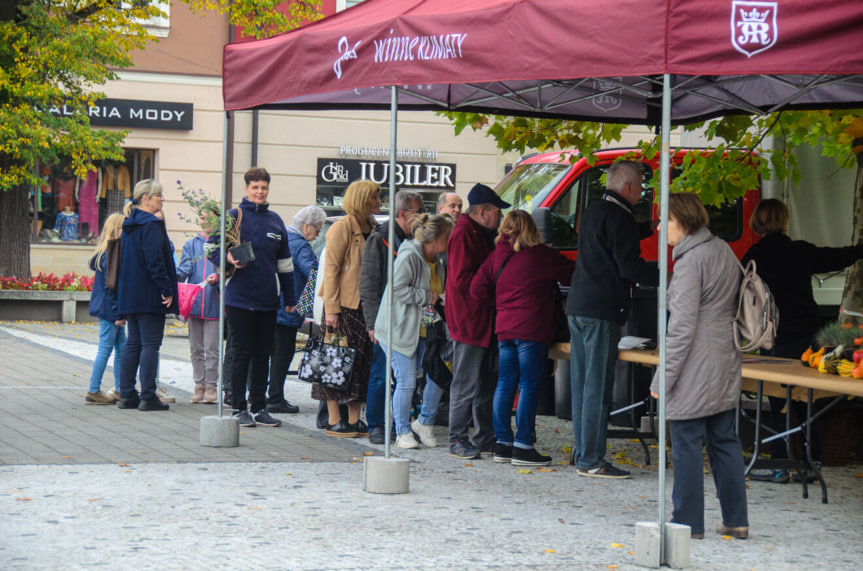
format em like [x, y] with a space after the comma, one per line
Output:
[757, 318]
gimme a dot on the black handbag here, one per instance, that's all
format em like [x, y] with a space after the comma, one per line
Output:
[327, 360]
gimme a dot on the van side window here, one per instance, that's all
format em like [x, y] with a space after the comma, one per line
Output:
[593, 189]
[564, 213]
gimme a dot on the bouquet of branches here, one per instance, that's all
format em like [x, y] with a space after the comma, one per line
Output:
[207, 211]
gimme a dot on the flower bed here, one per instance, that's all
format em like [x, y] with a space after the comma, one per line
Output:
[46, 297]
[48, 282]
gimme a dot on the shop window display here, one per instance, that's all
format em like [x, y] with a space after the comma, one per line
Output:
[70, 209]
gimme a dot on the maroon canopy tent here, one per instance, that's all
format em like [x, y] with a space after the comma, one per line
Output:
[655, 62]
[561, 58]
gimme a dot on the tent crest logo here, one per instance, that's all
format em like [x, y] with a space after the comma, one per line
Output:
[608, 97]
[753, 26]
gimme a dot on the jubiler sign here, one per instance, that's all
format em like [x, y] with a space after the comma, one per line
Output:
[341, 172]
[140, 114]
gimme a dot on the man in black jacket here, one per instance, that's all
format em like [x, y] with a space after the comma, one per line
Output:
[609, 263]
[373, 280]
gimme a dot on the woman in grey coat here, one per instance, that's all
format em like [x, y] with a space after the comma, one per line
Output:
[702, 370]
[411, 286]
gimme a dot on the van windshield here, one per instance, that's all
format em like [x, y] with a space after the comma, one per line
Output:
[527, 185]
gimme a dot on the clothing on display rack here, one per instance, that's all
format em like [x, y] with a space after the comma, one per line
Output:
[67, 225]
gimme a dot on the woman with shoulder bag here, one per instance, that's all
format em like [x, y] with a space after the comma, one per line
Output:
[306, 227]
[342, 311]
[518, 279]
[702, 370]
[411, 291]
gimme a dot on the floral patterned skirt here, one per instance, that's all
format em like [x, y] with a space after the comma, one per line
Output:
[353, 325]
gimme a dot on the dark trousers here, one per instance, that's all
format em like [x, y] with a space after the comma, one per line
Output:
[726, 462]
[251, 342]
[284, 347]
[472, 393]
[143, 340]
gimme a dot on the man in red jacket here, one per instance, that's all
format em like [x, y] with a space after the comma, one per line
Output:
[471, 326]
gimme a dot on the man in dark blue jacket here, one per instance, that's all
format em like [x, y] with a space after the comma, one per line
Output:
[609, 263]
[253, 296]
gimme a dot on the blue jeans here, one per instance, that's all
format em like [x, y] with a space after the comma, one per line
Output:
[593, 353]
[376, 395]
[431, 393]
[726, 462]
[522, 364]
[405, 371]
[111, 338]
[142, 350]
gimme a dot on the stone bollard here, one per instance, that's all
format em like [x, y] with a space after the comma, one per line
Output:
[220, 432]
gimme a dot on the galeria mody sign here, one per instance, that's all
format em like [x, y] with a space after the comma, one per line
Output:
[138, 114]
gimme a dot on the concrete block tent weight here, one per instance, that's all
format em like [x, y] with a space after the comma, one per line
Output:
[677, 62]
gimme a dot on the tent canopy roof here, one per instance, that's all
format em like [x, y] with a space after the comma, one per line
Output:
[579, 59]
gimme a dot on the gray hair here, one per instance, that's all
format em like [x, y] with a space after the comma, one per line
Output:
[403, 201]
[441, 200]
[622, 172]
[311, 215]
[146, 187]
[427, 228]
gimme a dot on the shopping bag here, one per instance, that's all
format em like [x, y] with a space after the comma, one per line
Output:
[306, 303]
[187, 294]
[327, 360]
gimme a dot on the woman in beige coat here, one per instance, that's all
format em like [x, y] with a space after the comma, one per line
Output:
[342, 311]
[702, 370]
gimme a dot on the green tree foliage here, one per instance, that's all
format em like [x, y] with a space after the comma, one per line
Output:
[263, 18]
[721, 174]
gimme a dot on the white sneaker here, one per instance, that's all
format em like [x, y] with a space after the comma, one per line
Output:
[425, 432]
[406, 441]
[163, 395]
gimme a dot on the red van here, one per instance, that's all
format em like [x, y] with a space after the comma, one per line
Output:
[566, 188]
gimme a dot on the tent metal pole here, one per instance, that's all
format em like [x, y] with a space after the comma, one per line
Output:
[664, 174]
[391, 237]
[223, 209]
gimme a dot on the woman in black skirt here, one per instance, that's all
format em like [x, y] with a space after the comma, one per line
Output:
[342, 311]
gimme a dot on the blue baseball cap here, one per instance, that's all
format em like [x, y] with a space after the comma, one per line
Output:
[481, 194]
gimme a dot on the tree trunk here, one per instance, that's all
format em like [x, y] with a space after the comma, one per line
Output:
[852, 295]
[15, 233]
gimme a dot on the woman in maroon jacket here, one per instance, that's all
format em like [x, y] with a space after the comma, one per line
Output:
[519, 277]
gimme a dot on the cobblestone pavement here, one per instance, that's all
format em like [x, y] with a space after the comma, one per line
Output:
[90, 486]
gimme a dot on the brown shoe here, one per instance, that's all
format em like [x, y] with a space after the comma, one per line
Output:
[198, 395]
[738, 532]
[163, 395]
[98, 398]
[211, 396]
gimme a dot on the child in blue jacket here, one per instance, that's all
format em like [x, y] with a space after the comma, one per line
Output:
[112, 325]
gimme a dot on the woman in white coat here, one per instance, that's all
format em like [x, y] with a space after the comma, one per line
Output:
[702, 370]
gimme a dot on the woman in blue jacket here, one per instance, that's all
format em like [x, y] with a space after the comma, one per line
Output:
[204, 318]
[306, 227]
[112, 325]
[147, 291]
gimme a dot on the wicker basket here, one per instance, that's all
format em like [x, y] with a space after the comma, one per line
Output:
[840, 432]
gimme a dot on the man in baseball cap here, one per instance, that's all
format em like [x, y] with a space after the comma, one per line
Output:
[470, 326]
